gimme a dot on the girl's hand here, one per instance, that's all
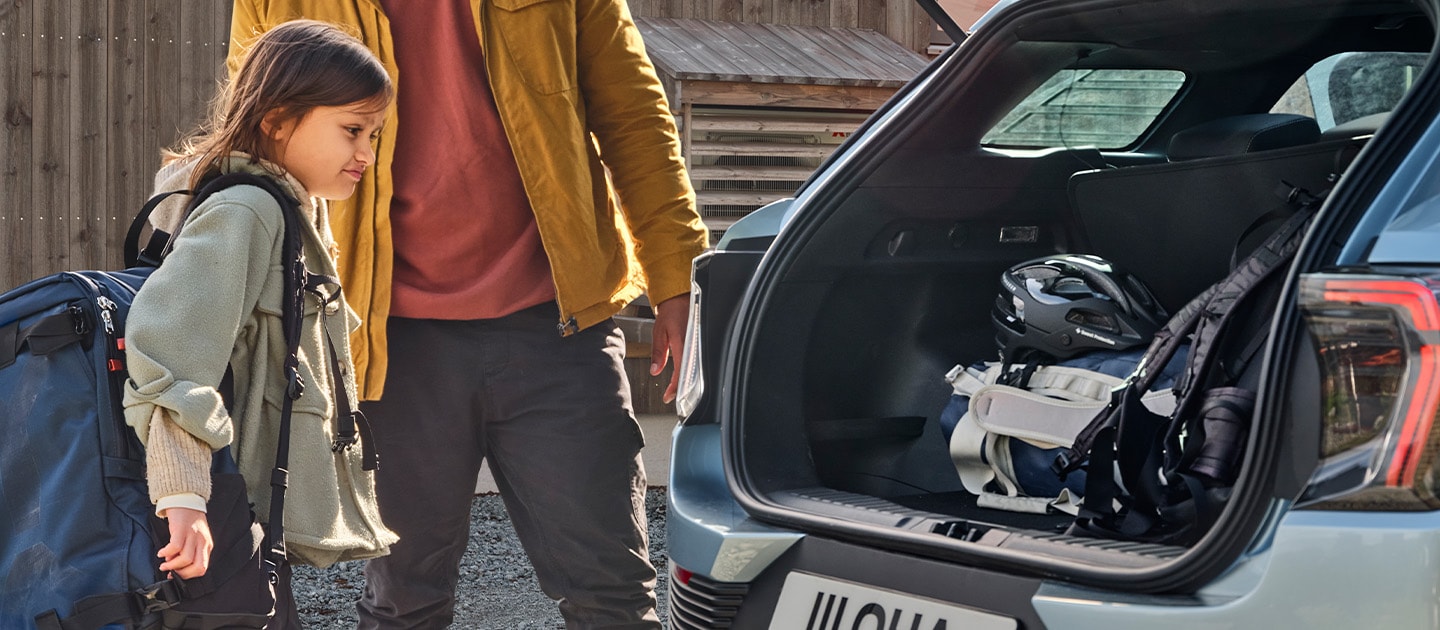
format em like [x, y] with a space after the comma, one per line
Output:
[188, 553]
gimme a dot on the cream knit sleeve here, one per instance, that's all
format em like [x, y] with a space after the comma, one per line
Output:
[175, 461]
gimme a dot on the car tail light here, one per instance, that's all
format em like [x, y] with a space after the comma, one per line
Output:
[1377, 339]
[692, 381]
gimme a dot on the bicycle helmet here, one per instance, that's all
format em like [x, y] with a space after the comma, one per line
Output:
[1062, 305]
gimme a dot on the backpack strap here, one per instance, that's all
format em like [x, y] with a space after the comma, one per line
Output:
[1139, 466]
[1056, 403]
[151, 255]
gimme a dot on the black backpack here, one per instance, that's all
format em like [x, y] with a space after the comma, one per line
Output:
[78, 533]
[1162, 479]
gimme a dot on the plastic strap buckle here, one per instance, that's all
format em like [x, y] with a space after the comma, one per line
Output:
[159, 596]
[295, 385]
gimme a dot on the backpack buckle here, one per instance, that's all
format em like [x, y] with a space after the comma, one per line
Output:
[159, 596]
[295, 385]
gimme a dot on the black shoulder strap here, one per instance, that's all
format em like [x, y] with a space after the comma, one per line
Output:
[1106, 441]
[1198, 324]
[148, 257]
[292, 312]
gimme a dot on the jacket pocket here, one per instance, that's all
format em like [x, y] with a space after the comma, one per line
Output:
[539, 40]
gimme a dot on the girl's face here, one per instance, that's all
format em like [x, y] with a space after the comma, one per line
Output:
[327, 149]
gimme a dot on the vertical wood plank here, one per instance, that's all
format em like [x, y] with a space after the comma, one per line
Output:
[129, 159]
[16, 142]
[51, 179]
[162, 79]
[658, 8]
[726, 10]
[910, 25]
[85, 233]
[218, 46]
[197, 71]
[639, 8]
[756, 10]
[924, 28]
[844, 13]
[801, 13]
[872, 14]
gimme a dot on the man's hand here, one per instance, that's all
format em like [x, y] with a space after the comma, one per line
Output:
[667, 339]
[188, 553]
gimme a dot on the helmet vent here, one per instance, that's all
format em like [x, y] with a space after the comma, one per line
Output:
[1091, 319]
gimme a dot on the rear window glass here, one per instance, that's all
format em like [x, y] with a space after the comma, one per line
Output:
[1351, 86]
[1106, 108]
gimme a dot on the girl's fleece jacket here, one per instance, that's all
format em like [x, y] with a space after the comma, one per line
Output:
[216, 302]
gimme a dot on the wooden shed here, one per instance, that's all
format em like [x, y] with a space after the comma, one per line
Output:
[760, 105]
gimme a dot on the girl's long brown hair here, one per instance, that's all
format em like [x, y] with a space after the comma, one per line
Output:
[291, 69]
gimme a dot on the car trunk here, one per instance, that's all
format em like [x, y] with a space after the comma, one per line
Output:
[886, 276]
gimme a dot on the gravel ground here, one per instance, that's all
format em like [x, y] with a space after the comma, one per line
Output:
[497, 586]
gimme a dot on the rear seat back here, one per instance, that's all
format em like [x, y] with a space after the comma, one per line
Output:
[1177, 224]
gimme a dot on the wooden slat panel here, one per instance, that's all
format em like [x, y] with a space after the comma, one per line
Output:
[691, 50]
[873, 14]
[756, 10]
[850, 97]
[897, 24]
[649, 8]
[727, 10]
[198, 68]
[844, 13]
[128, 159]
[909, 25]
[767, 61]
[802, 12]
[902, 67]
[820, 44]
[786, 149]
[682, 54]
[761, 123]
[85, 231]
[806, 65]
[16, 142]
[162, 77]
[89, 91]
[762, 173]
[52, 137]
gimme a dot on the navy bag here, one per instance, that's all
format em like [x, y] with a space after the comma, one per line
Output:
[78, 533]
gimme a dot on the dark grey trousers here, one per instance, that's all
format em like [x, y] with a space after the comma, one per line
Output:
[552, 417]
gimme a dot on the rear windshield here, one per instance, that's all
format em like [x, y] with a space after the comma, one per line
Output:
[1106, 108]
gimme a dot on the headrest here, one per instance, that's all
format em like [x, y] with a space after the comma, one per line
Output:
[1246, 133]
[1362, 126]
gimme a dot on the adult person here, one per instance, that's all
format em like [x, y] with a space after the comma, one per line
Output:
[528, 188]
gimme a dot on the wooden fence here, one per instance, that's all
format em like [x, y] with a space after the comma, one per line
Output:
[91, 91]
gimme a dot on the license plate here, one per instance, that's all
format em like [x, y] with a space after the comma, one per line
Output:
[809, 602]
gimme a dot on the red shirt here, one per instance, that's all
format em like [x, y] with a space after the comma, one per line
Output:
[466, 244]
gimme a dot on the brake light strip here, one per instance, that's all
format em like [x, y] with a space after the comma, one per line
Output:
[1418, 299]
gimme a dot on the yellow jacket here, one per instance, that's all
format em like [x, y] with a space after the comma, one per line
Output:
[572, 82]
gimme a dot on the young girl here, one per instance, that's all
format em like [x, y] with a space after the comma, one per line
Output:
[303, 110]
